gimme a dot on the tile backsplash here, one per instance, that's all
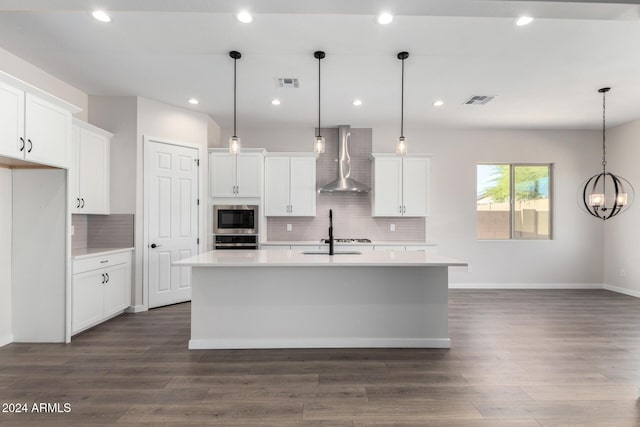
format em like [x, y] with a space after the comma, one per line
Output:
[351, 211]
[102, 231]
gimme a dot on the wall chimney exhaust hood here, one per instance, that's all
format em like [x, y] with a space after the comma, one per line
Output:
[344, 183]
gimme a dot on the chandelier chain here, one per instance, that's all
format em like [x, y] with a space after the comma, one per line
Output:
[604, 141]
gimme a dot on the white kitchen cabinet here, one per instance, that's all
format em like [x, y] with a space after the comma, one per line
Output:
[33, 129]
[89, 174]
[12, 140]
[290, 185]
[35, 126]
[101, 288]
[400, 186]
[235, 175]
[48, 132]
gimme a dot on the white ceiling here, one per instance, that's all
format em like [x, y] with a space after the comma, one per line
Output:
[545, 75]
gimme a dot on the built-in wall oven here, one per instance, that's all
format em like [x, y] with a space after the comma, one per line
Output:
[236, 226]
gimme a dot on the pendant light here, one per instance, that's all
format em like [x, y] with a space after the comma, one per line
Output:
[401, 146]
[605, 195]
[234, 141]
[318, 145]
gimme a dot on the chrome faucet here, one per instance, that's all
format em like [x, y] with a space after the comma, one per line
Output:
[331, 232]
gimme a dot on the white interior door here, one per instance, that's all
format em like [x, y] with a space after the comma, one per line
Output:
[172, 220]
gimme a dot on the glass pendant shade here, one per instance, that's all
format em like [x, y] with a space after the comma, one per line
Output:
[234, 145]
[401, 146]
[318, 145]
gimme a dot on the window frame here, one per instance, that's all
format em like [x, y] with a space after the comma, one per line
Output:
[512, 200]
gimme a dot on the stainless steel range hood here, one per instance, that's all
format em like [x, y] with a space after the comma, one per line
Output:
[344, 183]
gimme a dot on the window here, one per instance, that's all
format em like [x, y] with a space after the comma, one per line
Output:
[514, 201]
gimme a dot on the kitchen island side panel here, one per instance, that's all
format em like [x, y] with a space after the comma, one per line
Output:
[314, 307]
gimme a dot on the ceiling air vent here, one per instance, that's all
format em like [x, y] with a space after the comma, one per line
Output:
[288, 82]
[479, 100]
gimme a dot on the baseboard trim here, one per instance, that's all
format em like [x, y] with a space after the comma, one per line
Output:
[526, 286]
[232, 344]
[135, 309]
[8, 339]
[620, 290]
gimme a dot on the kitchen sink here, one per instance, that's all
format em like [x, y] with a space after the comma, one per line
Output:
[335, 253]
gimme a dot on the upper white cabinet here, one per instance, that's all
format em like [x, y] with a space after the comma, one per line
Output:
[89, 174]
[235, 175]
[290, 185]
[12, 140]
[400, 185]
[35, 128]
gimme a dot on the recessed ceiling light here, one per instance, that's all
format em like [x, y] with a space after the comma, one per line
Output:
[101, 16]
[357, 102]
[193, 101]
[275, 102]
[385, 18]
[524, 20]
[244, 17]
[438, 103]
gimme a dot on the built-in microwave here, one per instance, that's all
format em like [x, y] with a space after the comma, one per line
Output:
[235, 219]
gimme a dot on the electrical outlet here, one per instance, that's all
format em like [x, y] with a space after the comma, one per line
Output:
[469, 268]
[289, 227]
[73, 230]
[623, 272]
[392, 227]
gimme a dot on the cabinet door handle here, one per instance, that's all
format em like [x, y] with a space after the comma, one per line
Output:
[30, 145]
[107, 277]
[103, 278]
[78, 199]
[23, 144]
[400, 208]
[82, 203]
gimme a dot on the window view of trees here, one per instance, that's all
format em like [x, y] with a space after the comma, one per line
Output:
[513, 201]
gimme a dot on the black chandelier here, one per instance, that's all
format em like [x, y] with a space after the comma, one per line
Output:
[606, 195]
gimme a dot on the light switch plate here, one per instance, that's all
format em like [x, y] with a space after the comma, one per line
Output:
[392, 227]
[289, 227]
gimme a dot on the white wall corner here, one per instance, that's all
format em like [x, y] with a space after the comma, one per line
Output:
[620, 290]
[526, 286]
[6, 340]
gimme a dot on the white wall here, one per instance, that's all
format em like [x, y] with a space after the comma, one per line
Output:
[574, 256]
[39, 78]
[6, 331]
[622, 233]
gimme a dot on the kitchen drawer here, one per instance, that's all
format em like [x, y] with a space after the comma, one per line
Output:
[100, 261]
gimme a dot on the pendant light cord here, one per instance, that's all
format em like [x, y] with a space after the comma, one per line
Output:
[319, 83]
[604, 146]
[402, 104]
[234, 97]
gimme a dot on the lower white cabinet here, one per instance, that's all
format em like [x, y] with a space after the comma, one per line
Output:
[101, 289]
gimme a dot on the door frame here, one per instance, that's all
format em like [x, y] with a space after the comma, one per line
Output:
[147, 141]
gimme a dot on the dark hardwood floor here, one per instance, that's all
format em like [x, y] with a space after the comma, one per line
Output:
[518, 358]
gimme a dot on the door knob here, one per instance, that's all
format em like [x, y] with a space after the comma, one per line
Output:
[153, 246]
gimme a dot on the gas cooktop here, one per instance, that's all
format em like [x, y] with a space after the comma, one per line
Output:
[347, 241]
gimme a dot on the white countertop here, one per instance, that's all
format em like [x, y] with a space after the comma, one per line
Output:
[91, 252]
[372, 243]
[293, 258]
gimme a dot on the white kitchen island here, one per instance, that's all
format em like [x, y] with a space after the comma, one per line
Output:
[286, 299]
